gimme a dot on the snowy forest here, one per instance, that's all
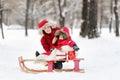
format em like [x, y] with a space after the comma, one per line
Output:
[93, 25]
[90, 16]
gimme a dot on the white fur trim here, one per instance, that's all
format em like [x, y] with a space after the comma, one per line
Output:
[66, 48]
[47, 24]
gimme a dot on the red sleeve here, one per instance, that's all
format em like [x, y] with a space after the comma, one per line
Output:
[71, 42]
[45, 44]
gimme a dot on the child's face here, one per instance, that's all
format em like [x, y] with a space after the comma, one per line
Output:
[61, 37]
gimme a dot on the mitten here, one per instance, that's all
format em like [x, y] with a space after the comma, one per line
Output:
[75, 47]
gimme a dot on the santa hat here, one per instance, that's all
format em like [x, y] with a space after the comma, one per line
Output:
[44, 23]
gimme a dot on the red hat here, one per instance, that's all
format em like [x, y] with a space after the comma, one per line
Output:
[66, 30]
[42, 23]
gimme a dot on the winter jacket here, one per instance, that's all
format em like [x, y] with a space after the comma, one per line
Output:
[61, 43]
[67, 41]
[46, 41]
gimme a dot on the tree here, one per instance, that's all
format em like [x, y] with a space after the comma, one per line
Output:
[32, 12]
[111, 11]
[101, 14]
[116, 18]
[93, 30]
[62, 12]
[26, 17]
[89, 16]
[84, 26]
[1, 19]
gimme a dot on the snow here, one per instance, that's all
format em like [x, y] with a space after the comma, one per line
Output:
[101, 55]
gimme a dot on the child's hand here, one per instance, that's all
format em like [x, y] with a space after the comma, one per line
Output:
[75, 47]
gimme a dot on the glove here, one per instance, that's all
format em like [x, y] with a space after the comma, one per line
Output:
[75, 47]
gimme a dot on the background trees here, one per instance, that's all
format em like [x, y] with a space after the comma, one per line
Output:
[93, 14]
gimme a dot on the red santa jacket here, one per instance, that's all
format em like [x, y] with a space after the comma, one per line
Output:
[46, 41]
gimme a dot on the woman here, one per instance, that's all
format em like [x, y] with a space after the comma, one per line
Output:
[48, 30]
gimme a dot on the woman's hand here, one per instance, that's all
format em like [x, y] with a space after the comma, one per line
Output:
[54, 40]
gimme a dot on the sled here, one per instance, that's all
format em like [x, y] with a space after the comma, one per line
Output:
[25, 68]
[50, 68]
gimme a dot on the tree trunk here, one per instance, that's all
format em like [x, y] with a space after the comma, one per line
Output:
[1, 20]
[85, 16]
[116, 18]
[111, 11]
[101, 14]
[93, 32]
[26, 17]
[62, 14]
[1, 25]
[55, 9]
[32, 13]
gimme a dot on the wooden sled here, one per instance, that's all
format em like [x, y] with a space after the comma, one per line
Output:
[25, 68]
[50, 67]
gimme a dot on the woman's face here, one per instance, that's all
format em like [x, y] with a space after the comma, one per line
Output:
[47, 29]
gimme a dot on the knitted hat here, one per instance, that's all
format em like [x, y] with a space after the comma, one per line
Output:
[42, 23]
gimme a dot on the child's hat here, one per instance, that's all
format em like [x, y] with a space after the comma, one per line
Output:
[66, 30]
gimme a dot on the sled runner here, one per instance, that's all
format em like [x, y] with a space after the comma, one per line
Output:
[25, 68]
[50, 68]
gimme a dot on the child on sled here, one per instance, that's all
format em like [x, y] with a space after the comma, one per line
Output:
[64, 43]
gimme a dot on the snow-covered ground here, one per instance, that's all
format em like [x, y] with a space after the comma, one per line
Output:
[101, 55]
